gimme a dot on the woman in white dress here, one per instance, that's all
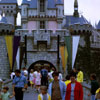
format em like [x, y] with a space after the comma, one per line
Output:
[31, 78]
[38, 80]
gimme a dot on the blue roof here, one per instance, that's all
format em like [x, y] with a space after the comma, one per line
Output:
[98, 26]
[4, 20]
[71, 20]
[51, 3]
[33, 3]
[8, 1]
[25, 2]
[59, 2]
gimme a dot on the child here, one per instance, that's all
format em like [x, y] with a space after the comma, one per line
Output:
[5, 95]
[97, 94]
[44, 95]
[31, 78]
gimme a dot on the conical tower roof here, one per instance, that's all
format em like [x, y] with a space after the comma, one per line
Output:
[76, 3]
[4, 20]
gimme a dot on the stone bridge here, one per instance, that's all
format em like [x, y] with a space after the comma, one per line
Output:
[32, 95]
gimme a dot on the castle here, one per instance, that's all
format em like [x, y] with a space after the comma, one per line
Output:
[42, 31]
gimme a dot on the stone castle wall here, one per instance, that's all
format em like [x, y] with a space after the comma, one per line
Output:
[4, 62]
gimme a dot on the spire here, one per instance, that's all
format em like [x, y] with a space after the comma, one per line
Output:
[76, 13]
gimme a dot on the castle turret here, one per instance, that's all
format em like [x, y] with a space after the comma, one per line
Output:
[9, 7]
[5, 27]
[24, 13]
[60, 12]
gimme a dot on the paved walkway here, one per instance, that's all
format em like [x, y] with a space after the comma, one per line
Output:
[30, 95]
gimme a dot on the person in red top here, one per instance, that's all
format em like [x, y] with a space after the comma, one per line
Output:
[74, 89]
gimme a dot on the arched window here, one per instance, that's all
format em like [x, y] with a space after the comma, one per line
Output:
[42, 5]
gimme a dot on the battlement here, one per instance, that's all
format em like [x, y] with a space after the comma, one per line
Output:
[78, 29]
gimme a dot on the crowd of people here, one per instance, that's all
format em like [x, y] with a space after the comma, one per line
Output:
[50, 85]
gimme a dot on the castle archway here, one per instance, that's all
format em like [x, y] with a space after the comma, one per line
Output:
[40, 64]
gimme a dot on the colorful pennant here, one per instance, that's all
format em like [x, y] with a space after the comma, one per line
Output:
[64, 56]
[68, 42]
[72, 47]
[75, 43]
[9, 44]
[16, 41]
[12, 43]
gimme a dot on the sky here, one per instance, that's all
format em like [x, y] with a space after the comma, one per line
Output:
[90, 9]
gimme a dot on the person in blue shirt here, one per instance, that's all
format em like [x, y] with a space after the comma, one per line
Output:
[57, 89]
[19, 85]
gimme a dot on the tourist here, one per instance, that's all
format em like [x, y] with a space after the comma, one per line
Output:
[50, 77]
[97, 96]
[19, 85]
[38, 80]
[94, 86]
[34, 80]
[31, 78]
[26, 73]
[57, 88]
[67, 80]
[12, 75]
[5, 95]
[44, 95]
[44, 76]
[79, 76]
[74, 89]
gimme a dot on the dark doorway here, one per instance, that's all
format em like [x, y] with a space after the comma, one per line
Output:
[40, 64]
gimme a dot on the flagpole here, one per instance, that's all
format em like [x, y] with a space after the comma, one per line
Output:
[25, 50]
[58, 58]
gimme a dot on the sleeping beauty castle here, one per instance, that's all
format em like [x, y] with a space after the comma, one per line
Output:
[46, 37]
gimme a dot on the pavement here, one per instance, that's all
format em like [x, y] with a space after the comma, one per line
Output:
[30, 94]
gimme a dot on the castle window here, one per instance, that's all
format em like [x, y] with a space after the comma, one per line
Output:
[42, 5]
[7, 6]
[11, 6]
[3, 6]
[11, 11]
[42, 24]
[7, 11]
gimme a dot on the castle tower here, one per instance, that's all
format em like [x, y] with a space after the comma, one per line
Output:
[60, 12]
[76, 13]
[9, 7]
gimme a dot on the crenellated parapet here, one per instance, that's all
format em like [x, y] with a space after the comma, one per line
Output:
[78, 29]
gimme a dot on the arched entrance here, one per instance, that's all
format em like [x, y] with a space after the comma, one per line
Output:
[40, 64]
